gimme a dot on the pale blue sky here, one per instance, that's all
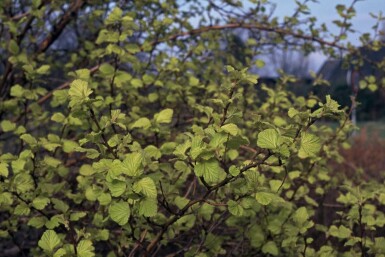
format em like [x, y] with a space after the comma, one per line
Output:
[325, 12]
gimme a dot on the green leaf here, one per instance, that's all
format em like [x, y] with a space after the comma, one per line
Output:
[102, 235]
[40, 202]
[7, 125]
[92, 153]
[137, 83]
[268, 139]
[164, 116]
[60, 252]
[146, 186]
[77, 215]
[49, 241]
[22, 210]
[264, 198]
[231, 128]
[148, 207]
[58, 117]
[193, 81]
[132, 164]
[60, 205]
[229, 68]
[373, 87]
[197, 147]
[142, 123]
[270, 248]
[300, 215]
[114, 16]
[55, 221]
[85, 249]
[29, 139]
[86, 170]
[106, 69]
[52, 162]
[23, 183]
[251, 78]
[152, 151]
[6, 198]
[259, 63]
[4, 169]
[218, 140]
[59, 97]
[79, 91]
[83, 74]
[235, 208]
[105, 198]
[119, 212]
[292, 112]
[116, 187]
[275, 184]
[17, 91]
[181, 202]
[234, 171]
[18, 165]
[332, 105]
[37, 222]
[340, 232]
[310, 145]
[92, 193]
[13, 47]
[210, 170]
[44, 69]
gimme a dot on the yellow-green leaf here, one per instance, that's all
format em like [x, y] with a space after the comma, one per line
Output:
[310, 145]
[85, 249]
[49, 241]
[145, 186]
[119, 212]
[268, 139]
[164, 116]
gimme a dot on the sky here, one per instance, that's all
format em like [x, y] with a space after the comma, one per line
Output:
[325, 12]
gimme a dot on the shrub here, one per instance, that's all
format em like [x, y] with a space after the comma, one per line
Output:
[163, 147]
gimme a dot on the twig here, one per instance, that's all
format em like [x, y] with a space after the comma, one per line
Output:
[95, 120]
[181, 212]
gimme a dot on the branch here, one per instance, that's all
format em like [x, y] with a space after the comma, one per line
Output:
[257, 26]
[181, 212]
[201, 30]
[59, 27]
[195, 32]
[105, 141]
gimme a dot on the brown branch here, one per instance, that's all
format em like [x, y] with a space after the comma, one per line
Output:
[28, 13]
[257, 26]
[138, 243]
[59, 27]
[249, 149]
[100, 130]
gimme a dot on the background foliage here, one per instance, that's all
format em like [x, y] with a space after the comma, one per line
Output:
[134, 128]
